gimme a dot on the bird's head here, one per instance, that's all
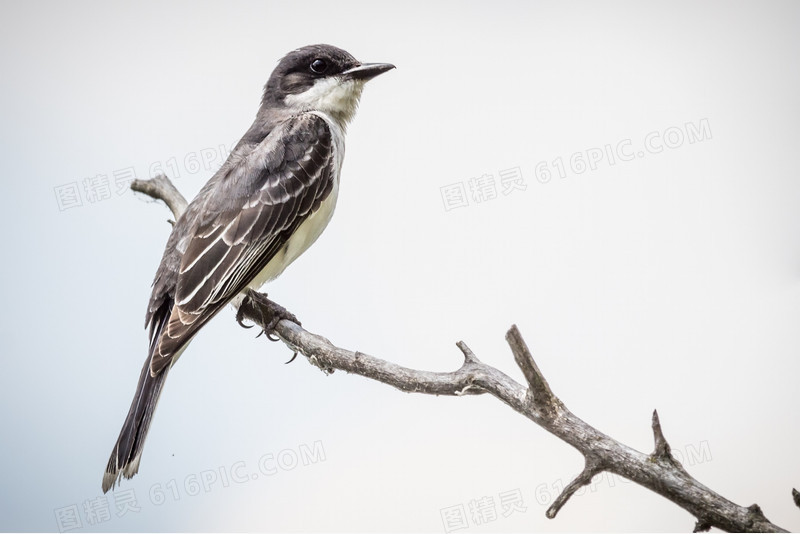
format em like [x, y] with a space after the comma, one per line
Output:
[320, 78]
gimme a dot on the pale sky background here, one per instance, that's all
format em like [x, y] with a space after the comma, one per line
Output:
[669, 281]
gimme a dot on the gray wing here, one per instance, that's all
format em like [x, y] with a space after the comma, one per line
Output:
[242, 223]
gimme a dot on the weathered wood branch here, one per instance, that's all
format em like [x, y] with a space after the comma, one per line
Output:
[161, 188]
[659, 471]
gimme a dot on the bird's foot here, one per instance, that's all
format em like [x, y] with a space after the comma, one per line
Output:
[270, 312]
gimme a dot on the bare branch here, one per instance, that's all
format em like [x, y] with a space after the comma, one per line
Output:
[542, 394]
[469, 356]
[161, 188]
[473, 377]
[662, 449]
[663, 476]
[593, 467]
[659, 472]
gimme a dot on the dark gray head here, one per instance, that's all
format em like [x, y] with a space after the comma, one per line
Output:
[320, 78]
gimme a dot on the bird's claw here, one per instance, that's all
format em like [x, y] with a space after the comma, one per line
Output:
[271, 314]
[240, 318]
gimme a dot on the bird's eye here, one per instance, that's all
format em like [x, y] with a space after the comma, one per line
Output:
[319, 66]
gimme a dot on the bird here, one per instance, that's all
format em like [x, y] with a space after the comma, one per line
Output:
[268, 202]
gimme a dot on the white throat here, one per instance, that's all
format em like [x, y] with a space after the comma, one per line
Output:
[332, 96]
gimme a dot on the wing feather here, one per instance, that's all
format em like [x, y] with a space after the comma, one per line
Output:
[244, 221]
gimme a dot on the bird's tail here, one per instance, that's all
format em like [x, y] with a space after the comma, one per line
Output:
[127, 453]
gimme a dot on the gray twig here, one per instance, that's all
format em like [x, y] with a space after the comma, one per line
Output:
[161, 188]
[594, 466]
[542, 395]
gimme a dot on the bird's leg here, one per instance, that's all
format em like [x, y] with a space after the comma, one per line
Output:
[270, 312]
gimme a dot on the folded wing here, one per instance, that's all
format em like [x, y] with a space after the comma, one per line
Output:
[245, 222]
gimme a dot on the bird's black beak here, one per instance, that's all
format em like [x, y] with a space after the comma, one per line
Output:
[366, 71]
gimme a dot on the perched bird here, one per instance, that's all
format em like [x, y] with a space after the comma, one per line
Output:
[264, 207]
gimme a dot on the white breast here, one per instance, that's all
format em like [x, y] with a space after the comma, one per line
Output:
[312, 227]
